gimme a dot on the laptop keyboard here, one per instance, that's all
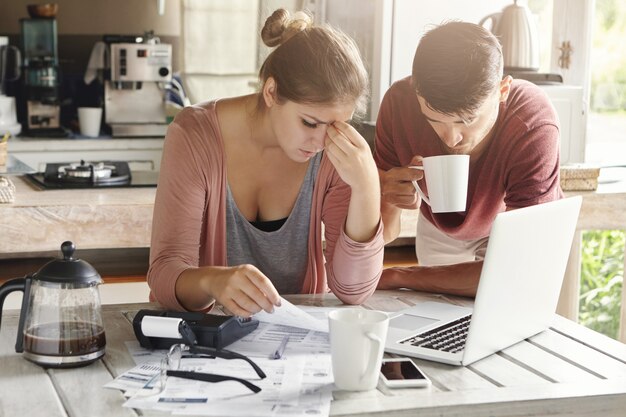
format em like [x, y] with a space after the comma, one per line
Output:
[447, 338]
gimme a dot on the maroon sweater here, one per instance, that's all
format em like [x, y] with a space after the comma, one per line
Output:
[519, 168]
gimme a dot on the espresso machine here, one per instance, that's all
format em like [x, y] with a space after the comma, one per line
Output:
[41, 110]
[134, 95]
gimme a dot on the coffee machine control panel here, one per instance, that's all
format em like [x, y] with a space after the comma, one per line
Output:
[141, 62]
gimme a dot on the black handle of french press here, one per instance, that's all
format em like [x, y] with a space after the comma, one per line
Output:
[18, 284]
[19, 343]
[8, 287]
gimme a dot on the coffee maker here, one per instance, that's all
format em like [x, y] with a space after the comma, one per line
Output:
[134, 95]
[41, 81]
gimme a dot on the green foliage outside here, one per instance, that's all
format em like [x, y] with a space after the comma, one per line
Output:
[608, 66]
[602, 277]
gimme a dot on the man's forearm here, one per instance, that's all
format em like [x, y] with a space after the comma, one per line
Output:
[459, 279]
[391, 219]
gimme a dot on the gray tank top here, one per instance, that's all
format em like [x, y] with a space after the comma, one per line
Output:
[282, 254]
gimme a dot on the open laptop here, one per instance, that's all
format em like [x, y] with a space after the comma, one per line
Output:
[517, 294]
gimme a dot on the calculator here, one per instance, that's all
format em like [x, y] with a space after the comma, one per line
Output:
[211, 330]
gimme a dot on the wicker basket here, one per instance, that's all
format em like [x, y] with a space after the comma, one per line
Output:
[579, 177]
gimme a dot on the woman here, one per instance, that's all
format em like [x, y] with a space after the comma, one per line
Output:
[246, 183]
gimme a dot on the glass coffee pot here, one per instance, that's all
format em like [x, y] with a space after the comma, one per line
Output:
[60, 321]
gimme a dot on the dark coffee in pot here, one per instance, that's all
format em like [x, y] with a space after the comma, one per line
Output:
[64, 339]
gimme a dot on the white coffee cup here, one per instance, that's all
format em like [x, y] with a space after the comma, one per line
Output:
[357, 343]
[89, 119]
[446, 178]
[7, 110]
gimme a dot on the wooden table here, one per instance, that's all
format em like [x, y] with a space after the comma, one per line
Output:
[566, 370]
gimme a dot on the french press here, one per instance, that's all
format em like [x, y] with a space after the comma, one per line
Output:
[60, 321]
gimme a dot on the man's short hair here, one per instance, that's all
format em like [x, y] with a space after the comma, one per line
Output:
[456, 67]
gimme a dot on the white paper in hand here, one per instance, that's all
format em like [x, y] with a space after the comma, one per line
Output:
[289, 315]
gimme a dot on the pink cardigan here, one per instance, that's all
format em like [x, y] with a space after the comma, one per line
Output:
[189, 223]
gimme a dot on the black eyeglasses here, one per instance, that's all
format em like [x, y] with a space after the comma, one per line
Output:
[170, 366]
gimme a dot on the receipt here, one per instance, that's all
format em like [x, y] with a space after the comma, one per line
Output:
[289, 315]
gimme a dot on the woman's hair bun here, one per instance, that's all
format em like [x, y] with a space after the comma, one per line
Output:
[281, 26]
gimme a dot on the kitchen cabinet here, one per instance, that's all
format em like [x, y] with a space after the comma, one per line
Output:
[141, 154]
[568, 103]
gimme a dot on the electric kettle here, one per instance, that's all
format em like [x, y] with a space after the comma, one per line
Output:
[516, 30]
[60, 321]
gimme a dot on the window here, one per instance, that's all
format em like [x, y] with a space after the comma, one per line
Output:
[580, 40]
[222, 49]
[606, 123]
[595, 30]
[542, 10]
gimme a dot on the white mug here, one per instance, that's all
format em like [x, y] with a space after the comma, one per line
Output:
[357, 343]
[8, 116]
[89, 119]
[446, 178]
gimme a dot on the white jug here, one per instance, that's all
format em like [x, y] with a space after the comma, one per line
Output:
[516, 29]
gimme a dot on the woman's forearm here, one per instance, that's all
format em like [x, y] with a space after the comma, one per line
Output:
[363, 212]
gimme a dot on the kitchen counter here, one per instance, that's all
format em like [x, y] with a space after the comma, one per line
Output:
[29, 144]
[39, 221]
[15, 167]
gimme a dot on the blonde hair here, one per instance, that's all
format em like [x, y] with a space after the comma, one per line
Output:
[312, 64]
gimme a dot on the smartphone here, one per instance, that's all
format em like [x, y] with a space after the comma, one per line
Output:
[402, 373]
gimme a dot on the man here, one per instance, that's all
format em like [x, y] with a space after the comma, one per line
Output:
[458, 102]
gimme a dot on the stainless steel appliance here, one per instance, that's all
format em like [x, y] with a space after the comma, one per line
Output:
[60, 320]
[41, 77]
[516, 29]
[100, 174]
[135, 93]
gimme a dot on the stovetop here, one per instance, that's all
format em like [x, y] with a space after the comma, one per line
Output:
[100, 174]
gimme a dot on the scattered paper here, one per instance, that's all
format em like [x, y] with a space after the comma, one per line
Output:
[266, 338]
[142, 355]
[299, 384]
